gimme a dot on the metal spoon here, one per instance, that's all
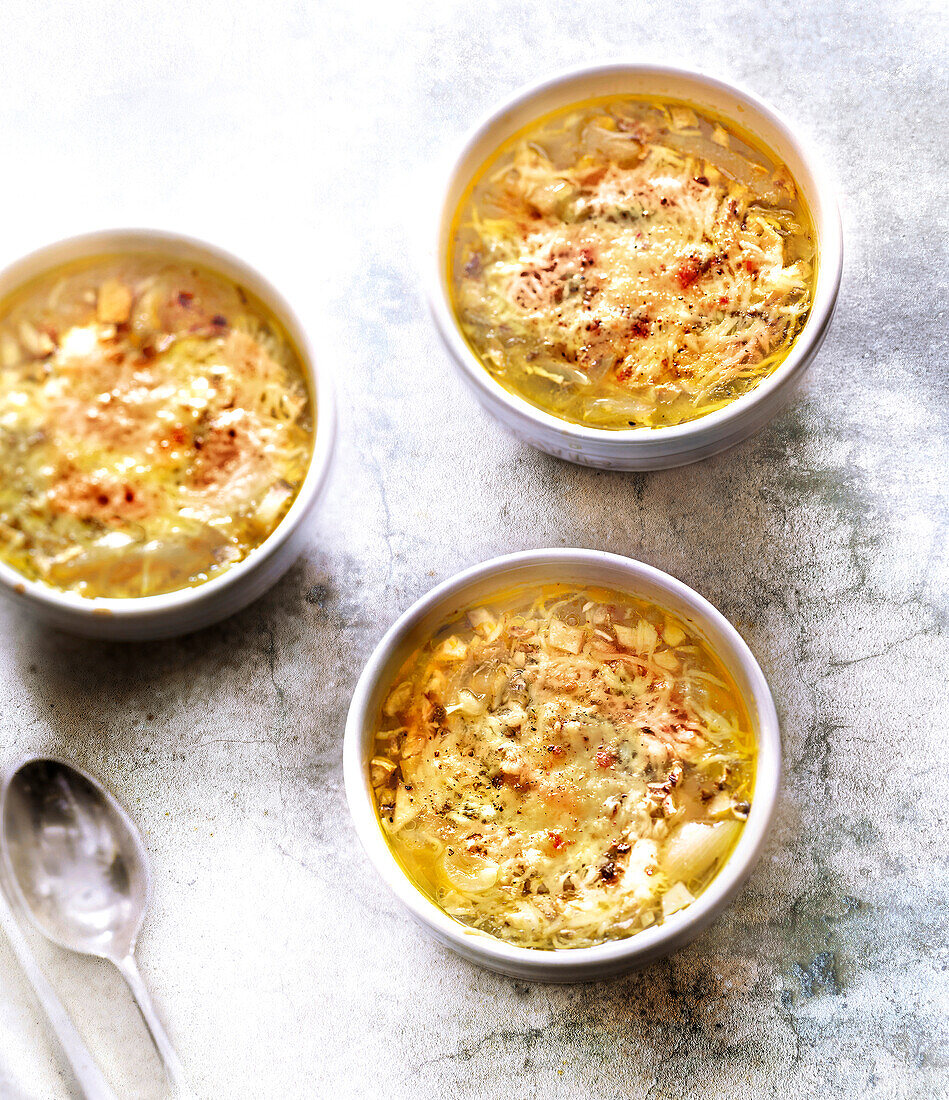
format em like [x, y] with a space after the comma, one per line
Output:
[77, 868]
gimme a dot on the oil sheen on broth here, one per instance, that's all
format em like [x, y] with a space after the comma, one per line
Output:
[155, 426]
[631, 264]
[563, 767]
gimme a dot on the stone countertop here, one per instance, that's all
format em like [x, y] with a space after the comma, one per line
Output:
[302, 136]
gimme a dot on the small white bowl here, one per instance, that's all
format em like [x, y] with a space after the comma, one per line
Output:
[586, 567]
[643, 448]
[186, 609]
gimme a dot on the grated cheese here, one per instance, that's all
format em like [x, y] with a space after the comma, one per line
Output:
[155, 426]
[633, 265]
[546, 788]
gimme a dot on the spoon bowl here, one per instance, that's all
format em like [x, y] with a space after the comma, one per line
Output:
[74, 864]
[75, 859]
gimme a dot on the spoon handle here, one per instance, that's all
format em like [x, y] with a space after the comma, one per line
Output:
[173, 1066]
[88, 1075]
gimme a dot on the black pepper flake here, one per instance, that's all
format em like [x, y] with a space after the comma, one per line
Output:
[608, 871]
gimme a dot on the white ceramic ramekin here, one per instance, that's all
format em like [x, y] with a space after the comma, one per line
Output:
[590, 567]
[643, 448]
[187, 609]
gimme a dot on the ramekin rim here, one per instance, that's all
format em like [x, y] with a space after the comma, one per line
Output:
[830, 271]
[320, 381]
[489, 949]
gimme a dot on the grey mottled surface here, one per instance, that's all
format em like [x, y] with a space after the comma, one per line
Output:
[297, 135]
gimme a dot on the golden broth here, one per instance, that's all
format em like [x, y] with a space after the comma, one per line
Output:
[155, 425]
[563, 767]
[629, 263]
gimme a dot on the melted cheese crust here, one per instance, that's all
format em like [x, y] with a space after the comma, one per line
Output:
[155, 426]
[564, 768]
[632, 265]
